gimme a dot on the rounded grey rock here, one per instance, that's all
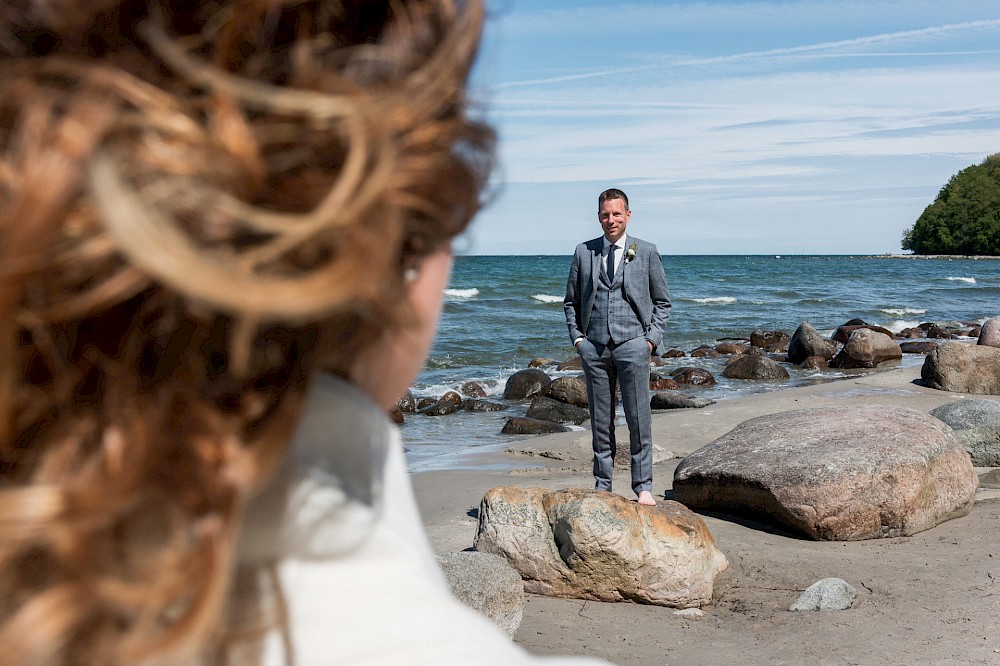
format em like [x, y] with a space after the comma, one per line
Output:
[826, 594]
[977, 425]
[487, 584]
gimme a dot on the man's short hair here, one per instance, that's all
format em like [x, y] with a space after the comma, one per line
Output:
[612, 193]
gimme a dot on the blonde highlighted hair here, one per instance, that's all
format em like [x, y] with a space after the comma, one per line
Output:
[200, 201]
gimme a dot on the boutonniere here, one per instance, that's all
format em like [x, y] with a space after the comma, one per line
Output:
[630, 252]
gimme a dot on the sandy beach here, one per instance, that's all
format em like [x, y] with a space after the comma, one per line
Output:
[933, 598]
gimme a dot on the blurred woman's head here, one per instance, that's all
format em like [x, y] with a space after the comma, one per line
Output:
[200, 203]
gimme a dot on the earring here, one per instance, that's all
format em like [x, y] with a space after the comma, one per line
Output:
[410, 274]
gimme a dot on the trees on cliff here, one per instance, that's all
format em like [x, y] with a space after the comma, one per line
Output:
[965, 215]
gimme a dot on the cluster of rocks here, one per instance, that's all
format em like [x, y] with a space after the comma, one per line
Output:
[855, 344]
[555, 404]
[843, 473]
[470, 397]
[840, 473]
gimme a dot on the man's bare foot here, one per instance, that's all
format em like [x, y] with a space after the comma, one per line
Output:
[646, 498]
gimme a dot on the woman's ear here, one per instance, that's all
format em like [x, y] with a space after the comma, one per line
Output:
[385, 369]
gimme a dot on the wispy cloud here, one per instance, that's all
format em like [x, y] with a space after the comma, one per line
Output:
[849, 122]
[832, 49]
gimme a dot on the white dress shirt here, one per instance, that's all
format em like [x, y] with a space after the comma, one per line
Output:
[621, 244]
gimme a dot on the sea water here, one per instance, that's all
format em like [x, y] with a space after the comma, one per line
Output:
[501, 312]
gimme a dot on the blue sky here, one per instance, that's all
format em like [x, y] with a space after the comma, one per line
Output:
[772, 127]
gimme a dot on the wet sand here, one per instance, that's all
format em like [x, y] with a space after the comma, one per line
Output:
[933, 598]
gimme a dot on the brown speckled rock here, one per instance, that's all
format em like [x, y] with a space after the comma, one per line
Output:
[962, 368]
[589, 544]
[806, 342]
[754, 366]
[989, 333]
[866, 348]
[524, 384]
[691, 376]
[571, 390]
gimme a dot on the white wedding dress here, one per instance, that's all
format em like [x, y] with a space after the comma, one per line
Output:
[361, 583]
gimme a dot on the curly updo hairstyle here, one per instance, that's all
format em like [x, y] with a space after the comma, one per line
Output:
[200, 202]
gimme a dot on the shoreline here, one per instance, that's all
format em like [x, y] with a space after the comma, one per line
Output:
[949, 257]
[914, 603]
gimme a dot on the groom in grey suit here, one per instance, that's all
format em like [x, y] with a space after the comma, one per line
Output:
[617, 304]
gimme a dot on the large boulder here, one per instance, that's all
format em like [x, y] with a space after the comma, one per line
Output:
[548, 409]
[977, 425]
[839, 473]
[806, 342]
[754, 365]
[866, 348]
[488, 584]
[963, 368]
[989, 333]
[525, 383]
[590, 544]
[571, 390]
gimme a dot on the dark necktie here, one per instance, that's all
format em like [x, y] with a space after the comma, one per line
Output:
[610, 268]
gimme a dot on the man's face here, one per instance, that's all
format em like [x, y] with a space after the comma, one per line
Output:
[613, 218]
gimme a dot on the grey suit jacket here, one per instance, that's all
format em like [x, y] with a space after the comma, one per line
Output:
[645, 288]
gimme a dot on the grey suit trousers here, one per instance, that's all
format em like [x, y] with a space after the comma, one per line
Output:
[606, 367]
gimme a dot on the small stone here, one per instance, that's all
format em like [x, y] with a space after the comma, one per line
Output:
[479, 405]
[690, 613]
[522, 425]
[677, 401]
[440, 408]
[826, 594]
